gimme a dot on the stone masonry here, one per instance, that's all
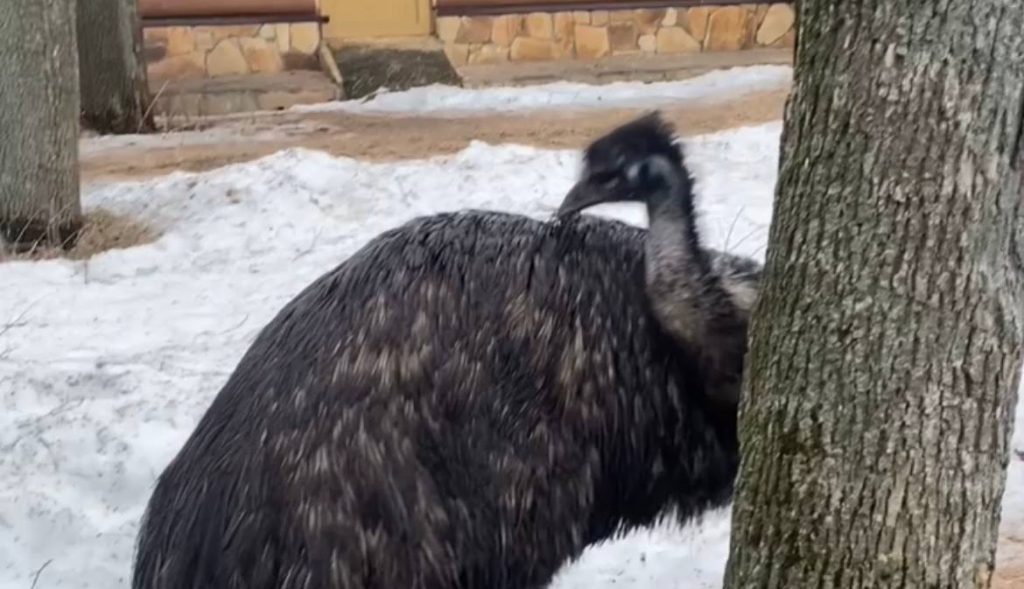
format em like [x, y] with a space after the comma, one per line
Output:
[587, 35]
[183, 53]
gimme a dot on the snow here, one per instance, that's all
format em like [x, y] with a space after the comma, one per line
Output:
[438, 99]
[107, 364]
[229, 128]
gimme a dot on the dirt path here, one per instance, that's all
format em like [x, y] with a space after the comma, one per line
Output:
[1010, 563]
[405, 137]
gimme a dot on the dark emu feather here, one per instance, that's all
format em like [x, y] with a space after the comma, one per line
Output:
[471, 399]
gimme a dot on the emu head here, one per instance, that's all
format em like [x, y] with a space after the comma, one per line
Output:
[636, 162]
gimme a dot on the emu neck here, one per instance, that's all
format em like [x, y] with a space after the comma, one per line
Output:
[687, 296]
[678, 270]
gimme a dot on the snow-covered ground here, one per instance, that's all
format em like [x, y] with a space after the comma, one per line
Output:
[438, 99]
[106, 365]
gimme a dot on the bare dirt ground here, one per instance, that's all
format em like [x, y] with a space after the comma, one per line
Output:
[1010, 565]
[101, 231]
[405, 137]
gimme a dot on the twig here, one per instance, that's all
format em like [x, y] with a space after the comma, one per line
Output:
[35, 579]
[312, 245]
[374, 94]
[17, 322]
[235, 327]
[152, 103]
[9, 326]
[748, 236]
[732, 226]
[50, 235]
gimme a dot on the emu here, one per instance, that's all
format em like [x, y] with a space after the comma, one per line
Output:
[471, 399]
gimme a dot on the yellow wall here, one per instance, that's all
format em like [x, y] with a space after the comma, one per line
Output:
[376, 18]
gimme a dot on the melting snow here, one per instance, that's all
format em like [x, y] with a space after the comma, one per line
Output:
[437, 99]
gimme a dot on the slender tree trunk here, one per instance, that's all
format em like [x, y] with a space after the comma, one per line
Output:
[115, 93]
[886, 343]
[39, 199]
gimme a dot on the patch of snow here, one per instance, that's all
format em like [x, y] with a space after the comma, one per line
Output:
[106, 365]
[452, 100]
[664, 556]
[231, 128]
[1013, 496]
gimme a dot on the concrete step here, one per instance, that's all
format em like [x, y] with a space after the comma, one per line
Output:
[186, 99]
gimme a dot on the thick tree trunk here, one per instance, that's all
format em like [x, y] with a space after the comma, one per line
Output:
[115, 94]
[39, 199]
[886, 343]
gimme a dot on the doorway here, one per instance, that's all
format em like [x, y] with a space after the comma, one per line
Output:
[376, 18]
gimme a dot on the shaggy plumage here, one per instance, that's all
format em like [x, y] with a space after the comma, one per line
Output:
[467, 402]
[640, 161]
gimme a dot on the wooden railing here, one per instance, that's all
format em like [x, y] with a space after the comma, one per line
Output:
[226, 12]
[471, 7]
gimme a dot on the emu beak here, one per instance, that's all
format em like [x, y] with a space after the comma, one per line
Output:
[582, 195]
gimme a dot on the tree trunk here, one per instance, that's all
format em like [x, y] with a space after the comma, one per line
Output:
[39, 199]
[886, 343]
[115, 93]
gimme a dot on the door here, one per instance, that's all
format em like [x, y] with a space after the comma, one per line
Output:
[376, 18]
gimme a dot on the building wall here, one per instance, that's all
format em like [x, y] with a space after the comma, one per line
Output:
[176, 53]
[541, 36]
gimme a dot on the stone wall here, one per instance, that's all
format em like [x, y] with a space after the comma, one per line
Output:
[176, 53]
[541, 36]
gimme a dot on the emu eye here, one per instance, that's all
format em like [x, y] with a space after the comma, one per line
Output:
[639, 172]
[605, 179]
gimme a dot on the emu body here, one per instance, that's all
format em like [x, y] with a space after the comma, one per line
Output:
[468, 401]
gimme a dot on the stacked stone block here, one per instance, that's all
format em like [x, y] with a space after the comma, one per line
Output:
[542, 36]
[178, 53]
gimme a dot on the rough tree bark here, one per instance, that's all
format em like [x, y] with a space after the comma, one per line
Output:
[115, 92]
[39, 198]
[886, 344]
